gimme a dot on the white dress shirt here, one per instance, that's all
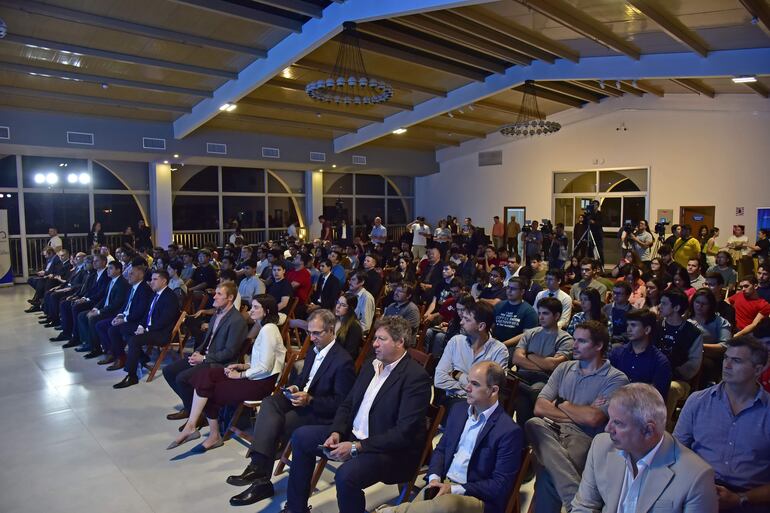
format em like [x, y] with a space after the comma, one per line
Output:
[381, 373]
[319, 358]
[131, 295]
[632, 486]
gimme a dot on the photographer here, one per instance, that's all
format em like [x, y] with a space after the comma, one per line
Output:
[640, 240]
[596, 225]
[533, 241]
[558, 253]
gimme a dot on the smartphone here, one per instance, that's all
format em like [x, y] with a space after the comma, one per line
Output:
[430, 492]
[287, 392]
[326, 452]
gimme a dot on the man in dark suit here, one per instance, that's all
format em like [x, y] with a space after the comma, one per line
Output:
[220, 347]
[137, 303]
[69, 311]
[475, 463]
[61, 303]
[378, 431]
[69, 283]
[156, 328]
[42, 280]
[326, 378]
[107, 308]
[327, 290]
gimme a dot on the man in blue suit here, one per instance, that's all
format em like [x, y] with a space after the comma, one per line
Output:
[475, 464]
[156, 328]
[317, 392]
[107, 308]
[69, 314]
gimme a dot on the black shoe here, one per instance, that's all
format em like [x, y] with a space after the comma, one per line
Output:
[253, 494]
[58, 327]
[72, 343]
[127, 382]
[93, 354]
[117, 364]
[59, 338]
[83, 348]
[249, 476]
[44, 321]
[106, 360]
[33, 309]
[32, 302]
[50, 324]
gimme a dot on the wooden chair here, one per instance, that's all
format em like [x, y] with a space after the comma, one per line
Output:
[420, 357]
[508, 393]
[432, 420]
[291, 359]
[366, 347]
[176, 338]
[514, 500]
[289, 315]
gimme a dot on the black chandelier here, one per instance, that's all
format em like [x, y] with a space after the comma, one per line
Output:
[530, 121]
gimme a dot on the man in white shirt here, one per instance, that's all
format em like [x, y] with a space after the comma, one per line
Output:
[420, 232]
[553, 279]
[54, 240]
[378, 431]
[637, 467]
[379, 234]
[366, 303]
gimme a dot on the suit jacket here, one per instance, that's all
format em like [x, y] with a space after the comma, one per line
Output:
[224, 345]
[495, 459]
[397, 415]
[89, 278]
[165, 313]
[327, 297]
[117, 298]
[56, 268]
[98, 288]
[678, 480]
[373, 282]
[331, 383]
[140, 303]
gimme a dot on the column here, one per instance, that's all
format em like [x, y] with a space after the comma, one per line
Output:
[314, 202]
[160, 203]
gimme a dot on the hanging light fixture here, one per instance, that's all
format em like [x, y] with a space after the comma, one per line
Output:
[530, 121]
[349, 83]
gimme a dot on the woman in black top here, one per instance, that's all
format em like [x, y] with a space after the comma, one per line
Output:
[143, 235]
[349, 334]
[96, 236]
[127, 240]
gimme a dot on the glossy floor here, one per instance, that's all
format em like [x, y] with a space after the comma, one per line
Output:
[71, 443]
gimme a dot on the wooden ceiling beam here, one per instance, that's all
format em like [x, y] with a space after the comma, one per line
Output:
[398, 84]
[575, 19]
[296, 6]
[648, 88]
[255, 14]
[508, 109]
[695, 85]
[284, 122]
[393, 32]
[453, 130]
[521, 33]
[456, 116]
[626, 88]
[423, 137]
[112, 102]
[403, 53]
[310, 109]
[760, 10]
[467, 33]
[293, 85]
[547, 94]
[671, 25]
[115, 56]
[164, 34]
[759, 88]
[571, 90]
[593, 85]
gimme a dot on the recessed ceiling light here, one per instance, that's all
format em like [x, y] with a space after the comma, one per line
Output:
[165, 161]
[320, 170]
[229, 107]
[744, 80]
[399, 131]
[176, 155]
[334, 165]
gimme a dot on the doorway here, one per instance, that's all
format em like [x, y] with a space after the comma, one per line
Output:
[697, 217]
[514, 217]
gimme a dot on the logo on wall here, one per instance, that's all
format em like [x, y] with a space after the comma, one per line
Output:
[697, 217]
[739, 211]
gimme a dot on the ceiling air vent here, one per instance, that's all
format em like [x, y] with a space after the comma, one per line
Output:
[216, 148]
[153, 143]
[80, 138]
[317, 156]
[5, 132]
[490, 158]
[359, 160]
[271, 153]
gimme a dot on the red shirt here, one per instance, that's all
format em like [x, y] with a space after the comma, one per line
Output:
[301, 276]
[747, 309]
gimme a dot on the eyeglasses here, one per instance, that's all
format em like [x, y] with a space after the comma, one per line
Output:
[315, 334]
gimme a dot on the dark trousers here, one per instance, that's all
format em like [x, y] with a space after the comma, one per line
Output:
[87, 328]
[51, 302]
[118, 336]
[69, 315]
[135, 343]
[276, 421]
[178, 376]
[40, 284]
[101, 330]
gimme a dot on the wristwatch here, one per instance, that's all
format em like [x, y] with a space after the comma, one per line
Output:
[743, 500]
[354, 450]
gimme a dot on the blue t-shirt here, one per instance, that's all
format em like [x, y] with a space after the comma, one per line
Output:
[512, 320]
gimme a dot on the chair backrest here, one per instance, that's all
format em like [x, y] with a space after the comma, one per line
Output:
[203, 301]
[178, 326]
[420, 357]
[245, 349]
[366, 347]
[508, 393]
[291, 359]
[514, 506]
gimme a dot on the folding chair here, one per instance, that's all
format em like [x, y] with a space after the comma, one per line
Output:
[420, 357]
[514, 500]
[508, 393]
[289, 315]
[433, 420]
[176, 338]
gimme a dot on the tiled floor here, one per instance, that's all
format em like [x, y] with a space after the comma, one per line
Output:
[71, 443]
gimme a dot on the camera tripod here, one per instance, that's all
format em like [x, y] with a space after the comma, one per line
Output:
[590, 244]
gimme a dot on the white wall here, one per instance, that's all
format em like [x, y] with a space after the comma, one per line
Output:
[701, 151]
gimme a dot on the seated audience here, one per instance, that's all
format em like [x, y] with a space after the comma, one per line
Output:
[513, 316]
[763, 281]
[474, 466]
[495, 292]
[107, 308]
[591, 309]
[216, 387]
[326, 291]
[373, 277]
[347, 327]
[716, 332]
[553, 281]
[727, 426]
[310, 398]
[637, 466]
[633, 276]
[617, 311]
[44, 278]
[540, 351]
[588, 280]
[668, 264]
[437, 336]
[72, 285]
[724, 266]
[694, 272]
[638, 358]
[441, 292]
[250, 286]
[376, 440]
[365, 307]
[681, 281]
[571, 410]
[402, 306]
[69, 310]
[280, 288]
[299, 277]
[204, 277]
[715, 282]
[750, 309]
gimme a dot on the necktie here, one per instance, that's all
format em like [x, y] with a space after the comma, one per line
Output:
[152, 307]
[128, 304]
[109, 290]
[550, 294]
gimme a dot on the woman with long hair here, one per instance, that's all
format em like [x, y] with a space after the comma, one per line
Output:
[712, 248]
[633, 276]
[348, 329]
[238, 382]
[572, 273]
[591, 304]
[716, 332]
[96, 238]
[657, 271]
[682, 281]
[655, 288]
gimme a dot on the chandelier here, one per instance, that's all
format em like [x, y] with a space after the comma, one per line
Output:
[349, 83]
[530, 121]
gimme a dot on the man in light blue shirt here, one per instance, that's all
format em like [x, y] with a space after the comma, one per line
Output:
[379, 234]
[250, 286]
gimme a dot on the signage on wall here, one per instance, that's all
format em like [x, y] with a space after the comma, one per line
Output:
[6, 272]
[665, 215]
[697, 217]
[739, 211]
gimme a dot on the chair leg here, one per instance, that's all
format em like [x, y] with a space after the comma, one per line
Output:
[319, 468]
[284, 461]
[233, 422]
[158, 362]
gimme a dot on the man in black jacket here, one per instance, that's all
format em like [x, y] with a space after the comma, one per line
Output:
[70, 284]
[327, 290]
[69, 311]
[378, 430]
[313, 399]
[156, 328]
[107, 308]
[43, 279]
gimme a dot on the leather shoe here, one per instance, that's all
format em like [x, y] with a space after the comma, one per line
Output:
[44, 321]
[249, 476]
[50, 324]
[117, 364]
[33, 309]
[104, 361]
[180, 415]
[253, 494]
[93, 354]
[83, 348]
[59, 338]
[72, 343]
[127, 382]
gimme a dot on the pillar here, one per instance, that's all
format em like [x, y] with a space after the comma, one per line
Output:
[160, 204]
[314, 202]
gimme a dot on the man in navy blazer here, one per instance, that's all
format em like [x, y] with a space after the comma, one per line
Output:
[107, 308]
[69, 314]
[155, 329]
[475, 463]
[378, 431]
[325, 380]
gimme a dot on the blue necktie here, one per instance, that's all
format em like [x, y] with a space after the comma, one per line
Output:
[128, 305]
[107, 299]
[152, 307]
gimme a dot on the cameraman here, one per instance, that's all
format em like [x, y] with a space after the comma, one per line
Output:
[640, 241]
[533, 241]
[557, 253]
[595, 224]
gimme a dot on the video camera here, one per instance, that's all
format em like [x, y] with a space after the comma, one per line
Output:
[628, 226]
[546, 226]
[660, 227]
